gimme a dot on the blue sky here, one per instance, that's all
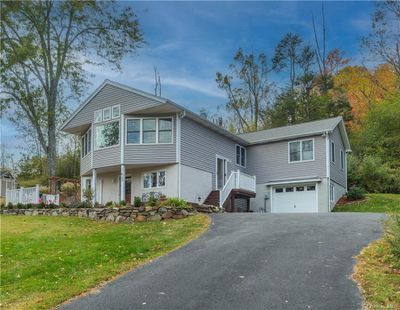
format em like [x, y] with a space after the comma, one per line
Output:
[190, 41]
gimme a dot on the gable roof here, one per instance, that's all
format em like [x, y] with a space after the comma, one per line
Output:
[116, 84]
[257, 137]
[297, 131]
[163, 102]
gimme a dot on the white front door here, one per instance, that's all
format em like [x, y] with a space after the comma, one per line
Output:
[294, 199]
[221, 172]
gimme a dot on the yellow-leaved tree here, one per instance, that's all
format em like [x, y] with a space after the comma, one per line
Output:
[365, 88]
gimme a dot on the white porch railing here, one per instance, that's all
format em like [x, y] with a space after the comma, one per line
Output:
[30, 195]
[23, 195]
[237, 180]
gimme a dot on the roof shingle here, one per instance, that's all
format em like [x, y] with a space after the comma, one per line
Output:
[298, 130]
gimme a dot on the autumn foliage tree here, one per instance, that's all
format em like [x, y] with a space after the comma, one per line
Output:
[365, 88]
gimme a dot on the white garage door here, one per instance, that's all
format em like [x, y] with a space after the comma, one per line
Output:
[294, 199]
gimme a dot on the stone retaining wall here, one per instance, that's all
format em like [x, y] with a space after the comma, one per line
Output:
[117, 215]
[207, 208]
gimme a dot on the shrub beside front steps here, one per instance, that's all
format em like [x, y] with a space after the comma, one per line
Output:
[117, 215]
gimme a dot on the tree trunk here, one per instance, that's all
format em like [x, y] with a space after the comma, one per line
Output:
[52, 141]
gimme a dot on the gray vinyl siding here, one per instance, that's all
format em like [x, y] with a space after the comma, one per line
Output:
[86, 163]
[151, 153]
[337, 173]
[269, 161]
[200, 145]
[107, 97]
[110, 156]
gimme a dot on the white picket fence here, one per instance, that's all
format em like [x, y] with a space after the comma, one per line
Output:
[30, 195]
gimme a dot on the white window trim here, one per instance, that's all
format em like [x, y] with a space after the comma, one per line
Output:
[100, 112]
[245, 155]
[225, 168]
[119, 111]
[141, 130]
[107, 147]
[332, 158]
[331, 192]
[342, 160]
[301, 151]
[154, 171]
[105, 110]
[91, 143]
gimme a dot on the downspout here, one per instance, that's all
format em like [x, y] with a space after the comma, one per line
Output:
[328, 169]
[178, 147]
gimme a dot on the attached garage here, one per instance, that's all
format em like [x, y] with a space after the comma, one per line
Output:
[296, 198]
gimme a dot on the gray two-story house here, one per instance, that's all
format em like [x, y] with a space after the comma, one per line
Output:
[138, 144]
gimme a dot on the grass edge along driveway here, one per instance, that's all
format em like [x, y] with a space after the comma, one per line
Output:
[48, 260]
[377, 273]
[377, 269]
[380, 203]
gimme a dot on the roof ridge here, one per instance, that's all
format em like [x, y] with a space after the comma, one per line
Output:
[292, 125]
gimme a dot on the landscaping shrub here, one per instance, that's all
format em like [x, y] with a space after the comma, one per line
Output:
[28, 206]
[44, 190]
[137, 202]
[109, 204]
[69, 189]
[2, 206]
[84, 204]
[392, 235]
[355, 193]
[88, 195]
[373, 174]
[20, 206]
[176, 203]
[151, 201]
[10, 205]
[122, 203]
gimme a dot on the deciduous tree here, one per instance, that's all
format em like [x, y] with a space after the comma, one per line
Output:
[45, 45]
[247, 88]
[384, 40]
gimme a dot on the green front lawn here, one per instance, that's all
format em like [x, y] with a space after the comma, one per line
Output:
[382, 203]
[47, 260]
[378, 274]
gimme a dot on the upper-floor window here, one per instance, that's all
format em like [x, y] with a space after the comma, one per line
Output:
[149, 130]
[107, 135]
[115, 112]
[106, 114]
[240, 156]
[154, 179]
[332, 151]
[164, 130]
[133, 131]
[86, 143]
[341, 159]
[302, 150]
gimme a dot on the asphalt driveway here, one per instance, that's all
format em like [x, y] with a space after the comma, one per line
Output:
[251, 261]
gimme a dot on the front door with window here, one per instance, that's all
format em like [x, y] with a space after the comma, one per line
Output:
[128, 189]
[221, 172]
